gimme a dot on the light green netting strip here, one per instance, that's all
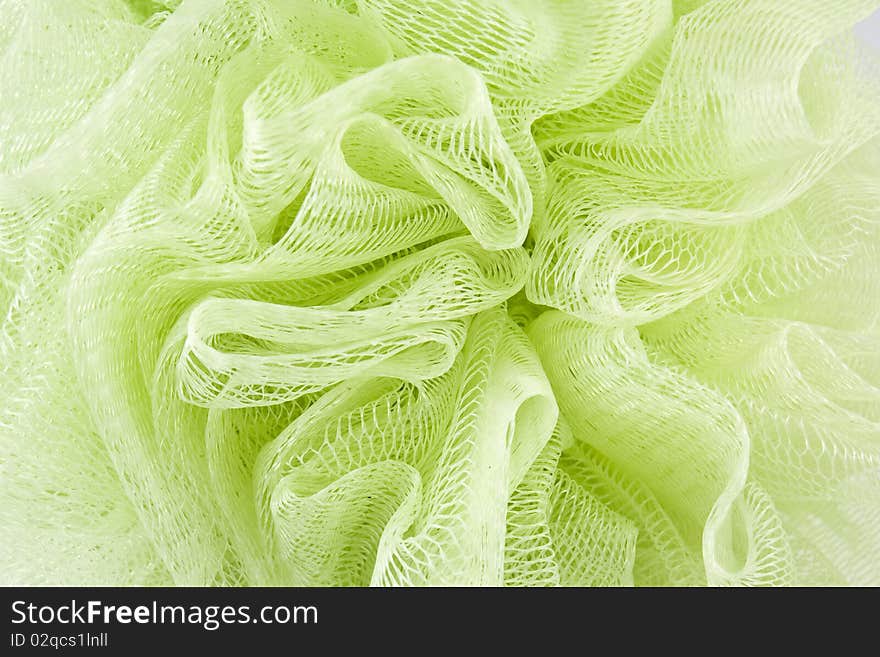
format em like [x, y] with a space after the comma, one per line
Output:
[439, 292]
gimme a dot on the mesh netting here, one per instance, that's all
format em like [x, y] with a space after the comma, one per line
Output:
[439, 292]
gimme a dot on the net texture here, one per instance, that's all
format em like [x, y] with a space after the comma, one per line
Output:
[439, 292]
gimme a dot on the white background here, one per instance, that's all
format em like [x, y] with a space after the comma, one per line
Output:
[869, 30]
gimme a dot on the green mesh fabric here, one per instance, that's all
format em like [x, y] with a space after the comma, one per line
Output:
[439, 292]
